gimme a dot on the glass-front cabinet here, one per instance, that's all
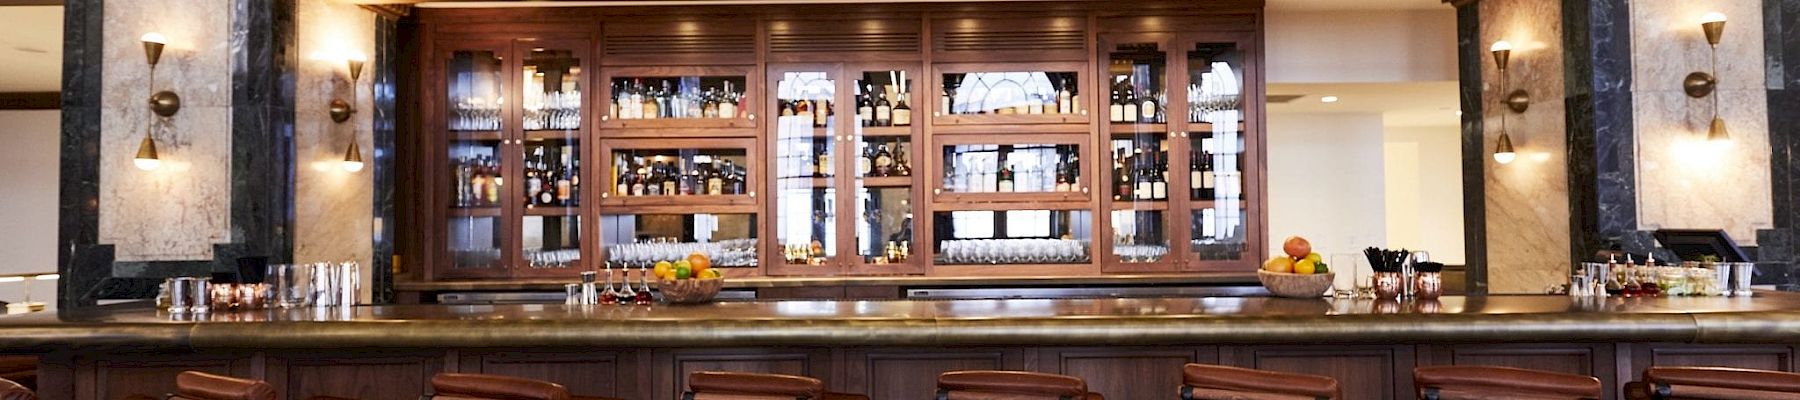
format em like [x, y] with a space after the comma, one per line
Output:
[1010, 94]
[841, 145]
[1178, 157]
[1034, 237]
[640, 240]
[678, 100]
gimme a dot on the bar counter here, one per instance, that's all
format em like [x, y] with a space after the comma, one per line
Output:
[1129, 348]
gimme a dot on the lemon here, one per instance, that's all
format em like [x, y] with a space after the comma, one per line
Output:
[1279, 264]
[663, 270]
[710, 274]
[1315, 258]
[1305, 266]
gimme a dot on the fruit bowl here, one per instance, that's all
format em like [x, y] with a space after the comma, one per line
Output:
[690, 291]
[1295, 285]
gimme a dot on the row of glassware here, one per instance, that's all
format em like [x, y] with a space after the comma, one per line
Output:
[1689, 279]
[323, 284]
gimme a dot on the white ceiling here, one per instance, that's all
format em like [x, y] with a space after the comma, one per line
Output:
[31, 48]
[1325, 5]
[1399, 103]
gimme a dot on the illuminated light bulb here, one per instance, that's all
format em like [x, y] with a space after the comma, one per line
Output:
[147, 158]
[1503, 151]
[1501, 46]
[154, 37]
[1505, 158]
[1328, 99]
[1714, 16]
[353, 161]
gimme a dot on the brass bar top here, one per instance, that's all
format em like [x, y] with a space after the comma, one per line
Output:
[1767, 318]
[1236, 278]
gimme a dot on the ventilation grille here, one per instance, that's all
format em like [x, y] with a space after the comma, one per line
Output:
[862, 42]
[617, 45]
[1012, 40]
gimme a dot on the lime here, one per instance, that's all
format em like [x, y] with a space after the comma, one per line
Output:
[683, 272]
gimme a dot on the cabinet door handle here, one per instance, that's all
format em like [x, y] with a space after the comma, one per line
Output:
[752, 116]
[937, 191]
[606, 118]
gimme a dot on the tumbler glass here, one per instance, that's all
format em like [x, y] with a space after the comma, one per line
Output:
[1740, 278]
[1343, 283]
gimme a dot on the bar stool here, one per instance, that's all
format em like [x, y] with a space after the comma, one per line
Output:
[19, 369]
[10, 390]
[1012, 385]
[706, 385]
[1218, 382]
[1683, 383]
[1461, 382]
[497, 387]
[191, 385]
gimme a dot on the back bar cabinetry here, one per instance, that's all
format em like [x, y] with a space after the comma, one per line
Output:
[954, 140]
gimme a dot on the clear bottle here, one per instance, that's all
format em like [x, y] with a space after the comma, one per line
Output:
[644, 297]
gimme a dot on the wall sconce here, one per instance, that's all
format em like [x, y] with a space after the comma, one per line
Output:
[342, 110]
[163, 103]
[1517, 101]
[1700, 84]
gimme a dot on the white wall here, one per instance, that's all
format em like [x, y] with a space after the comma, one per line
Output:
[1424, 190]
[28, 198]
[1326, 182]
[1361, 46]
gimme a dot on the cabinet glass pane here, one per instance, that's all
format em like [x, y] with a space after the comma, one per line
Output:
[552, 242]
[1012, 237]
[655, 97]
[884, 230]
[475, 91]
[884, 99]
[475, 230]
[1138, 235]
[1007, 93]
[1135, 87]
[552, 91]
[805, 196]
[1140, 169]
[643, 239]
[552, 173]
[679, 172]
[1004, 168]
[1216, 149]
[475, 242]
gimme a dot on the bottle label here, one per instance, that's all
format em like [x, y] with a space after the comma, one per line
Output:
[1194, 180]
[1159, 190]
[1006, 186]
[903, 117]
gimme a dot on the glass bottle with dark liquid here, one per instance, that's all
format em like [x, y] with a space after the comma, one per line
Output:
[609, 295]
[626, 296]
[644, 297]
[1631, 288]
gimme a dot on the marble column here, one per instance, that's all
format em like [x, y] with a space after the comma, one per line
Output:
[1779, 248]
[1603, 194]
[1470, 53]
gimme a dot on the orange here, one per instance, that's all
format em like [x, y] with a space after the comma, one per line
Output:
[699, 262]
[1279, 264]
[1296, 247]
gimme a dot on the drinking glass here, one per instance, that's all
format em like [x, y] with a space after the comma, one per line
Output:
[1343, 284]
[1365, 278]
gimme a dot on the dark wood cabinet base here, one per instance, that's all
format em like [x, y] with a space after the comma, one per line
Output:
[1124, 372]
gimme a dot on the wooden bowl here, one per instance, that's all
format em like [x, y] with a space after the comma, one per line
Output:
[690, 291]
[1295, 285]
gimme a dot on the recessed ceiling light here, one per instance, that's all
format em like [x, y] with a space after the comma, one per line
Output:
[1328, 99]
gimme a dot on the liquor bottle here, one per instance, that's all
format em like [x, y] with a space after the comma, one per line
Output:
[1195, 190]
[494, 184]
[902, 113]
[547, 194]
[709, 106]
[1159, 179]
[802, 108]
[609, 295]
[688, 179]
[640, 182]
[644, 297]
[1115, 106]
[884, 162]
[627, 295]
[1062, 177]
[618, 95]
[574, 176]
[1122, 189]
[865, 109]
[729, 102]
[1140, 176]
[652, 106]
[824, 160]
[734, 180]
[901, 166]
[715, 181]
[865, 164]
[634, 101]
[671, 180]
[1006, 179]
[1064, 99]
[1128, 99]
[884, 111]
[1208, 176]
[622, 187]
[534, 184]
[946, 101]
[665, 100]
[1147, 111]
[821, 112]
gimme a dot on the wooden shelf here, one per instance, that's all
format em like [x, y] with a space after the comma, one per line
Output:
[816, 133]
[1117, 128]
[475, 211]
[886, 181]
[887, 131]
[547, 211]
[714, 208]
[1207, 127]
[1009, 119]
[610, 200]
[1151, 205]
[1013, 204]
[475, 136]
[559, 135]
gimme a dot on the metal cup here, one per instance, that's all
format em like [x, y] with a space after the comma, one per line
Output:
[1740, 278]
[1388, 285]
[189, 295]
[1428, 285]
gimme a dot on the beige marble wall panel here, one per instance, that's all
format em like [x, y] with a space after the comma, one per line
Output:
[176, 212]
[333, 208]
[1684, 182]
[1527, 200]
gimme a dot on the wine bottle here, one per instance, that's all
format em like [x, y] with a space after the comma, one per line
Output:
[1147, 111]
[884, 111]
[1064, 100]
[884, 162]
[865, 109]
[1006, 179]
[902, 113]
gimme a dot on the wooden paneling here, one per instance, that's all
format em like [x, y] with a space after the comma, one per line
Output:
[1063, 38]
[673, 367]
[151, 376]
[1363, 372]
[1596, 360]
[802, 40]
[599, 373]
[357, 376]
[708, 40]
[1774, 358]
[912, 374]
[1125, 373]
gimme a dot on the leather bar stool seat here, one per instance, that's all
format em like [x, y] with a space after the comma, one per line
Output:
[1460, 382]
[10, 390]
[1218, 382]
[706, 385]
[1012, 385]
[1696, 383]
[454, 386]
[193, 385]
